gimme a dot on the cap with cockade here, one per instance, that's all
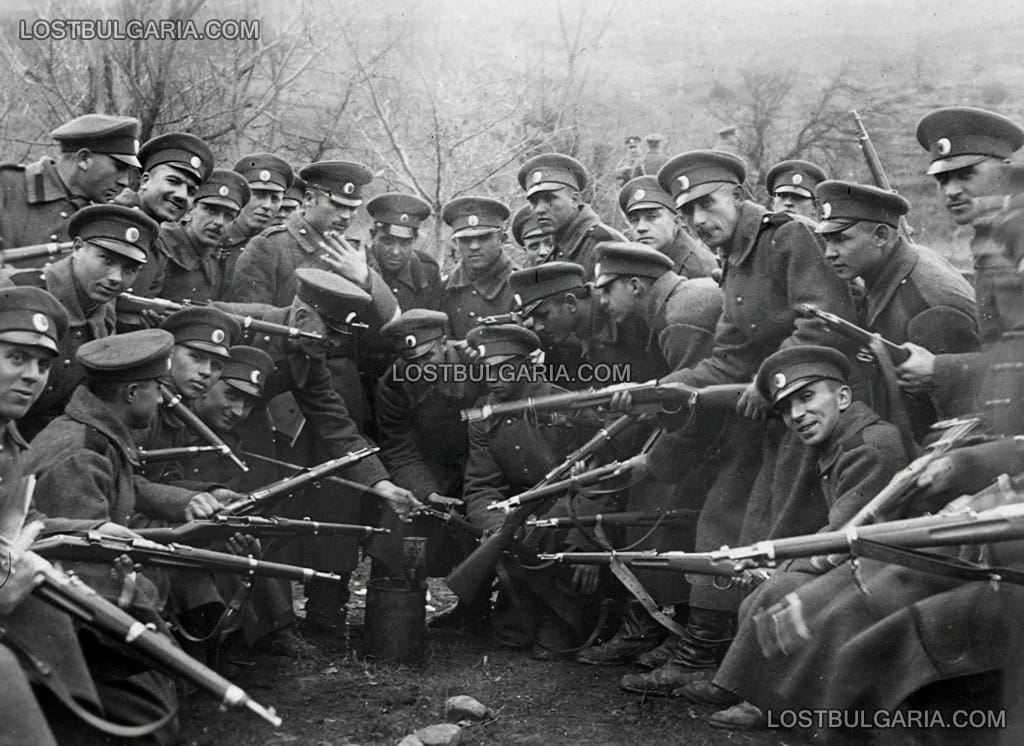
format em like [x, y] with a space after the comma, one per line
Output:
[144, 355]
[342, 180]
[225, 188]
[295, 193]
[630, 139]
[525, 225]
[474, 216]
[624, 259]
[414, 332]
[644, 193]
[120, 229]
[247, 370]
[552, 171]
[398, 214]
[339, 302]
[790, 369]
[117, 137]
[265, 171]
[31, 316]
[180, 150]
[502, 341]
[654, 137]
[794, 177]
[692, 175]
[960, 136]
[203, 328]
[843, 204]
[531, 286]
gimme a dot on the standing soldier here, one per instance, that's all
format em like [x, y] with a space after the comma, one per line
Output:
[412, 275]
[791, 186]
[627, 167]
[655, 222]
[910, 293]
[270, 179]
[195, 271]
[533, 239]
[478, 285]
[655, 157]
[98, 159]
[554, 184]
[111, 244]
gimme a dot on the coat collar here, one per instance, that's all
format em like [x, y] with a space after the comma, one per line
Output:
[576, 231]
[657, 299]
[855, 419]
[748, 228]
[488, 285]
[679, 250]
[86, 408]
[45, 184]
[411, 274]
[180, 247]
[61, 283]
[304, 234]
[235, 235]
[886, 281]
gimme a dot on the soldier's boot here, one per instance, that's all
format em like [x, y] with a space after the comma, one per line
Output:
[666, 651]
[473, 616]
[705, 639]
[638, 633]
[708, 694]
[327, 608]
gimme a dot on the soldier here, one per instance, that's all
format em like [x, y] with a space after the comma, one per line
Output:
[627, 167]
[412, 275]
[655, 222]
[98, 160]
[194, 270]
[111, 244]
[270, 180]
[478, 285]
[508, 455]
[655, 157]
[857, 455]
[526, 232]
[911, 294]
[173, 167]
[791, 186]
[554, 184]
[291, 201]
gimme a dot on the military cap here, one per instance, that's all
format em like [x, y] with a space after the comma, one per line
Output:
[117, 137]
[654, 137]
[525, 225]
[790, 369]
[630, 139]
[181, 150]
[843, 204]
[225, 188]
[120, 229]
[342, 180]
[690, 176]
[247, 370]
[31, 316]
[727, 131]
[295, 193]
[414, 332]
[643, 193]
[551, 171]
[338, 301]
[203, 328]
[474, 216]
[121, 358]
[621, 258]
[398, 214]
[265, 171]
[533, 285]
[960, 136]
[502, 341]
[796, 177]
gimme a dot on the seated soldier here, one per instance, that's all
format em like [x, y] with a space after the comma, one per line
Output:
[546, 611]
[857, 455]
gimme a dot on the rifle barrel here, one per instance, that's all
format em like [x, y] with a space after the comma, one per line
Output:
[22, 253]
[173, 402]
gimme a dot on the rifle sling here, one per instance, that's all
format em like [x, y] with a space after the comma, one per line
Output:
[949, 567]
[634, 586]
[43, 675]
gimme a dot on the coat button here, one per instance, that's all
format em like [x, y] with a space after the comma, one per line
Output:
[473, 292]
[66, 363]
[302, 231]
[53, 236]
[739, 300]
[516, 448]
[63, 214]
[472, 314]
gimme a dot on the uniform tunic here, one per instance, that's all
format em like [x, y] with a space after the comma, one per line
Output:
[690, 257]
[466, 298]
[192, 272]
[578, 242]
[36, 206]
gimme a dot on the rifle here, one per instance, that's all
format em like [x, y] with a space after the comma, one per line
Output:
[91, 546]
[220, 527]
[173, 402]
[264, 496]
[136, 303]
[877, 171]
[625, 518]
[35, 251]
[851, 331]
[903, 482]
[75, 598]
[720, 396]
[466, 580]
[512, 317]
[1002, 523]
[166, 454]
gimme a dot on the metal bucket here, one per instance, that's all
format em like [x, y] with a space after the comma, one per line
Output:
[396, 620]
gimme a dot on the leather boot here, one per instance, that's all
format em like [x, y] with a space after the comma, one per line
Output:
[327, 608]
[638, 633]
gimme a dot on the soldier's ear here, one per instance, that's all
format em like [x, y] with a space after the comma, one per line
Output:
[844, 397]
[83, 159]
[130, 392]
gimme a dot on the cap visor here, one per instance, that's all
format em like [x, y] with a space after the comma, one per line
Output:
[31, 339]
[400, 231]
[222, 201]
[699, 191]
[481, 230]
[246, 387]
[796, 385]
[547, 186]
[834, 226]
[345, 202]
[496, 360]
[186, 168]
[603, 280]
[794, 190]
[414, 353]
[126, 158]
[529, 308]
[265, 186]
[646, 206]
[129, 251]
[210, 347]
[954, 163]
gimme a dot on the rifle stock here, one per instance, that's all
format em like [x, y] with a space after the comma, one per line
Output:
[222, 527]
[851, 331]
